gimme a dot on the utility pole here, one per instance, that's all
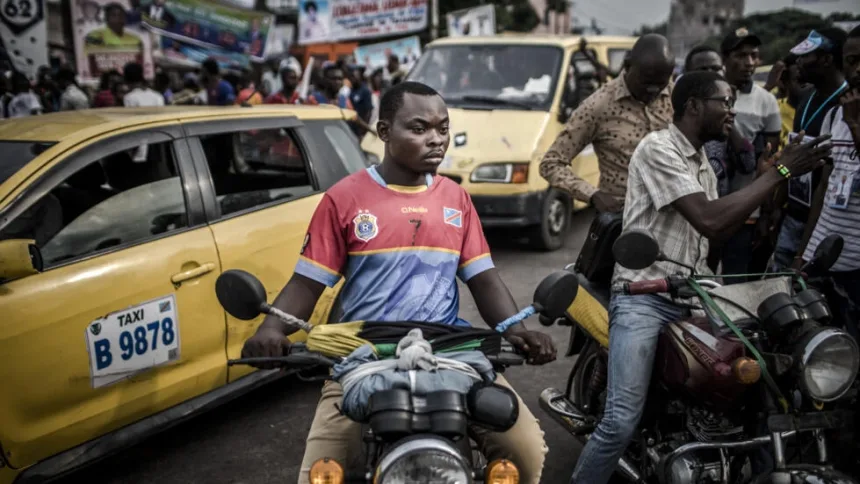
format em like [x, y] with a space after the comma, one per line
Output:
[434, 19]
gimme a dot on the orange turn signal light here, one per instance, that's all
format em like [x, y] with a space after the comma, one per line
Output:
[326, 471]
[502, 471]
[746, 370]
[520, 173]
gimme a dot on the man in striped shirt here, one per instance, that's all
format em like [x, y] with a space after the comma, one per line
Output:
[840, 213]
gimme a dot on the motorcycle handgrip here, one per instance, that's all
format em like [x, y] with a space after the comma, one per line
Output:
[506, 358]
[294, 360]
[652, 286]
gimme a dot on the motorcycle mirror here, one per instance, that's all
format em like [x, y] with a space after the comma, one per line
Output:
[556, 293]
[827, 252]
[241, 294]
[636, 249]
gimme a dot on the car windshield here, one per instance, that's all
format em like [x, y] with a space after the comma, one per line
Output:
[16, 154]
[498, 76]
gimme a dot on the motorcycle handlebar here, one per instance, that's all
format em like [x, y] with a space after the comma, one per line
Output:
[652, 286]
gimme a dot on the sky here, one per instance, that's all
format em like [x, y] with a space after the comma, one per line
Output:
[624, 16]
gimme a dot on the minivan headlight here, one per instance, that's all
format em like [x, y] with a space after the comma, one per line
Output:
[501, 173]
[828, 364]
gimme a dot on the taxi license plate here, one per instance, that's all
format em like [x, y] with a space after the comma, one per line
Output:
[132, 340]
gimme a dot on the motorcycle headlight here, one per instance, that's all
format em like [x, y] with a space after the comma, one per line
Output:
[501, 173]
[423, 461]
[828, 364]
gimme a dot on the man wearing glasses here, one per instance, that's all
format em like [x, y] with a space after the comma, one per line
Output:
[672, 194]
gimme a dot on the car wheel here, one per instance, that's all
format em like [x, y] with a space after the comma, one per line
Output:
[554, 222]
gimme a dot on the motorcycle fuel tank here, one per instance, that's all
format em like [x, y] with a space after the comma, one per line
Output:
[692, 360]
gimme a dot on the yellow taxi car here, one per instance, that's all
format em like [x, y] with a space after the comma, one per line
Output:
[114, 225]
[508, 98]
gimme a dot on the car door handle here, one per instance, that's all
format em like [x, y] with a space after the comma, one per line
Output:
[191, 274]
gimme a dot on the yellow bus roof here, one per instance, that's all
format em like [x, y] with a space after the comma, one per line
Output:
[63, 126]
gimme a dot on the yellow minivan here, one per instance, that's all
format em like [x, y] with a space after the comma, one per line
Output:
[114, 225]
[508, 98]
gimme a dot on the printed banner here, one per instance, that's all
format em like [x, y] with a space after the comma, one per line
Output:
[336, 20]
[107, 36]
[472, 21]
[408, 50]
[281, 37]
[23, 30]
[208, 25]
[175, 52]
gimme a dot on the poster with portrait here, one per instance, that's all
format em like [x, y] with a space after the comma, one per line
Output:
[337, 20]
[208, 25]
[373, 56]
[472, 21]
[107, 36]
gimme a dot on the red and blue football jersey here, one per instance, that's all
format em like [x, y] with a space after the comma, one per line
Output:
[400, 249]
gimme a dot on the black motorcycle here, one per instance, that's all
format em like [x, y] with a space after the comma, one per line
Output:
[408, 437]
[728, 392]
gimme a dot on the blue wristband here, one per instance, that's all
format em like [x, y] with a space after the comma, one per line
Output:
[516, 318]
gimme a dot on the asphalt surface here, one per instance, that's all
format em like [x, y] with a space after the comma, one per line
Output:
[259, 438]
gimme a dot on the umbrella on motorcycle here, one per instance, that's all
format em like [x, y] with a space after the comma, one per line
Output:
[244, 297]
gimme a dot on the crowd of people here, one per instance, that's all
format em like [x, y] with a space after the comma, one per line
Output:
[343, 83]
[729, 177]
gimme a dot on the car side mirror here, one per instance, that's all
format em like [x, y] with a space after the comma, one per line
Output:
[19, 258]
[827, 253]
[556, 293]
[241, 294]
[636, 249]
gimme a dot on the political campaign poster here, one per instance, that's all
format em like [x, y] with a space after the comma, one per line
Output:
[373, 56]
[472, 21]
[208, 25]
[23, 31]
[183, 54]
[107, 36]
[336, 20]
[281, 37]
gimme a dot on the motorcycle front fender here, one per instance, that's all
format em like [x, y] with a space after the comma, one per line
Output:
[806, 474]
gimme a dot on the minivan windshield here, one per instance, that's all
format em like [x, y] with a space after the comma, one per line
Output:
[16, 154]
[496, 76]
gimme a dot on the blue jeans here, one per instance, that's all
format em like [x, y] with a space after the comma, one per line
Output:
[787, 243]
[635, 323]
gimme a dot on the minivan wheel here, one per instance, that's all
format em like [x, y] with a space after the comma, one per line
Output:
[554, 222]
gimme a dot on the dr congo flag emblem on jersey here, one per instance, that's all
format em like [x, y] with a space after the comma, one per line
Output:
[453, 217]
[366, 227]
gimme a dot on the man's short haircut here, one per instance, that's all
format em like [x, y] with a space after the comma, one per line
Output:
[699, 49]
[210, 66]
[311, 5]
[855, 32]
[331, 67]
[66, 74]
[695, 85]
[133, 73]
[113, 6]
[392, 100]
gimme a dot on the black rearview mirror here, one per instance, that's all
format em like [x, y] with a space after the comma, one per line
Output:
[827, 253]
[636, 249]
[556, 293]
[241, 294]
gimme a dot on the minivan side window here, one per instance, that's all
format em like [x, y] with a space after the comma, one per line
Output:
[125, 198]
[338, 149]
[255, 167]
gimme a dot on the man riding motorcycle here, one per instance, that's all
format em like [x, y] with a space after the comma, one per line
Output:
[672, 194]
[400, 235]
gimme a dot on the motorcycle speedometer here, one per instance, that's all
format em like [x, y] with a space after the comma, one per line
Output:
[828, 361]
[424, 461]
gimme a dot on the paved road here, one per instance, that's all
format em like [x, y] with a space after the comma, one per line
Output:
[259, 438]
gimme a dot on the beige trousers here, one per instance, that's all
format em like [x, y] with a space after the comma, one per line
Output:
[336, 436]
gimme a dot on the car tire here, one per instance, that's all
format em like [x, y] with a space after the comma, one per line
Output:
[555, 217]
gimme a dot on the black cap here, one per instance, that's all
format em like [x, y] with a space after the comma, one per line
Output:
[739, 37]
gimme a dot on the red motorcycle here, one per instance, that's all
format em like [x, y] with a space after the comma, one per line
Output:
[758, 370]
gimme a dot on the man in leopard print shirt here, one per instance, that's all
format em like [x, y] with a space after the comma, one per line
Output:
[614, 119]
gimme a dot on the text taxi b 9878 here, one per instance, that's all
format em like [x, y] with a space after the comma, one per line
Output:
[114, 225]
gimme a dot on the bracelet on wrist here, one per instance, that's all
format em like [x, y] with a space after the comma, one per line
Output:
[783, 170]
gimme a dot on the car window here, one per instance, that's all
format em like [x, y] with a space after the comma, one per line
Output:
[16, 154]
[337, 149]
[255, 167]
[124, 198]
[616, 59]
